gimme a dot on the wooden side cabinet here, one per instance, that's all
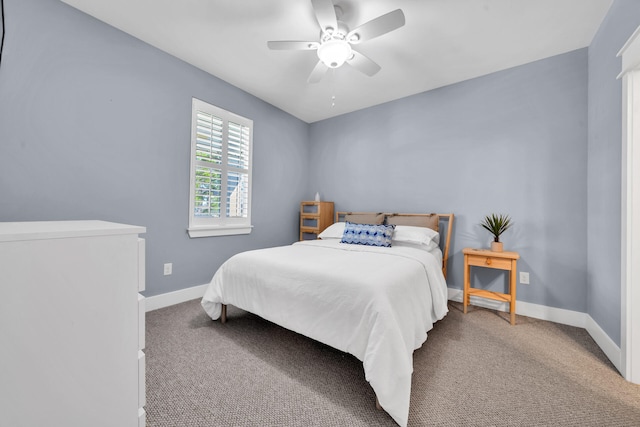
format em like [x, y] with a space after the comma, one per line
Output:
[314, 218]
[488, 259]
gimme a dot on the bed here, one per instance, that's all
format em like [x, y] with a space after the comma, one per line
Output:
[374, 301]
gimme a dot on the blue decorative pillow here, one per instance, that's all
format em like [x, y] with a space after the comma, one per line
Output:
[368, 234]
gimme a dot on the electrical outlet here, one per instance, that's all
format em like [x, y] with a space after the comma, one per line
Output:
[524, 278]
[168, 268]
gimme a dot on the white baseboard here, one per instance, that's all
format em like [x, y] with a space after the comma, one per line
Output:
[610, 349]
[537, 311]
[552, 314]
[176, 297]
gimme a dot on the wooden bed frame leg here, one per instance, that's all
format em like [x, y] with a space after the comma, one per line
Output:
[223, 315]
[378, 407]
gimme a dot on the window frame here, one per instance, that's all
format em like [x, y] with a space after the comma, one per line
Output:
[223, 225]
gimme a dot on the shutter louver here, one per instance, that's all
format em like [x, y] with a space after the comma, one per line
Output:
[208, 192]
[209, 138]
[237, 195]
[238, 154]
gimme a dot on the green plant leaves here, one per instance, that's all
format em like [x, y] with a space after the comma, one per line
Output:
[496, 224]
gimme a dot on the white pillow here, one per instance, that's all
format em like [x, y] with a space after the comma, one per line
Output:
[334, 231]
[422, 236]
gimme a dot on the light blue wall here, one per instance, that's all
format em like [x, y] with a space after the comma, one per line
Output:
[95, 124]
[513, 142]
[604, 165]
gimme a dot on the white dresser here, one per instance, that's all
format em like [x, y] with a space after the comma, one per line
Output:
[71, 324]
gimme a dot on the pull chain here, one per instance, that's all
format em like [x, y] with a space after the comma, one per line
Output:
[332, 88]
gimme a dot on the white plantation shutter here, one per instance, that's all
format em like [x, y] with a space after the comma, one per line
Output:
[220, 200]
[209, 138]
[238, 143]
[208, 179]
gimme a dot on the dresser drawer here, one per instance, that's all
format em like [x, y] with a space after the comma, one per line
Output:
[141, 264]
[141, 322]
[488, 261]
[307, 222]
[142, 384]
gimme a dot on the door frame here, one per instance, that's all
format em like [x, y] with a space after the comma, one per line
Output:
[630, 210]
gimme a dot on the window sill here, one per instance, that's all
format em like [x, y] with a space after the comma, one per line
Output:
[195, 232]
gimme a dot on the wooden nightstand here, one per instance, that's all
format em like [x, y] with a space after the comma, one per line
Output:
[498, 260]
[314, 218]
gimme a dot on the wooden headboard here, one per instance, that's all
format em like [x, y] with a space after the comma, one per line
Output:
[446, 218]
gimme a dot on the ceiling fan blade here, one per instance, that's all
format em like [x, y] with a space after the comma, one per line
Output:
[363, 64]
[292, 45]
[318, 72]
[377, 27]
[325, 14]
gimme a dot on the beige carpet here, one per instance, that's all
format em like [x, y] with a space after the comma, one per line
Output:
[474, 370]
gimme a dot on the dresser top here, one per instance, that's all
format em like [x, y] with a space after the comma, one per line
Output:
[39, 230]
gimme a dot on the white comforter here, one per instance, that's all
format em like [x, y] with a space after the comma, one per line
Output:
[375, 303]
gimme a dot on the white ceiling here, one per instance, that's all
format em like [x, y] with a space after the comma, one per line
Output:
[442, 42]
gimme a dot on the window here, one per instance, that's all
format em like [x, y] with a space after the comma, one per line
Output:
[221, 145]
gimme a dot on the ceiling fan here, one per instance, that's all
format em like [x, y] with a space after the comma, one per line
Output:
[335, 46]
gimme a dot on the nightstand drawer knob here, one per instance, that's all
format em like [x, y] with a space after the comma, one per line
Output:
[488, 261]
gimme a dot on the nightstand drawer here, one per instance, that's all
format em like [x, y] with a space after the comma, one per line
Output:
[307, 222]
[487, 261]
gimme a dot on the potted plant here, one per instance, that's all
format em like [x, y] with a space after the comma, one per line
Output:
[496, 225]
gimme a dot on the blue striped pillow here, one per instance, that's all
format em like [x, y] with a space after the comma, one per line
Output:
[368, 234]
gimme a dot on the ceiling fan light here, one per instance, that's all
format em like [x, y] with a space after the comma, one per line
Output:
[334, 53]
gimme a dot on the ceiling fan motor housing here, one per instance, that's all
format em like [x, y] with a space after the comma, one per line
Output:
[334, 47]
[339, 33]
